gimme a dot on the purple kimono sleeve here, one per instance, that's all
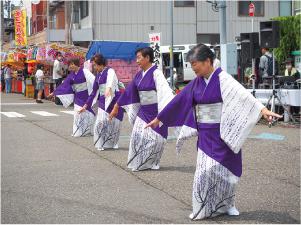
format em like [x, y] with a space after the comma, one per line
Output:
[130, 95]
[65, 88]
[180, 110]
[93, 93]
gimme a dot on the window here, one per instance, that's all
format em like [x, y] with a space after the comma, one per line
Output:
[184, 3]
[84, 9]
[243, 8]
[285, 8]
[53, 22]
[212, 39]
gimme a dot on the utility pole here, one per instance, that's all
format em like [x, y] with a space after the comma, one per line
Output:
[2, 24]
[8, 9]
[48, 27]
[171, 45]
[67, 21]
[223, 35]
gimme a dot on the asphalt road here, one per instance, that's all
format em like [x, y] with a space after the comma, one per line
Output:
[47, 176]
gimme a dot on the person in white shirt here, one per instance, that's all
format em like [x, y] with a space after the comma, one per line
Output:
[7, 72]
[40, 82]
[57, 74]
[216, 63]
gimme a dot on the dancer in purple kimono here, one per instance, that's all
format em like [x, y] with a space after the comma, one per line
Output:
[76, 88]
[143, 99]
[106, 91]
[221, 112]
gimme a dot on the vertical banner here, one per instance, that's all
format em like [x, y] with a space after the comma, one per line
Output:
[41, 53]
[155, 40]
[20, 27]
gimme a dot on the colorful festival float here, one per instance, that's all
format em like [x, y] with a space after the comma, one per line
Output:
[120, 56]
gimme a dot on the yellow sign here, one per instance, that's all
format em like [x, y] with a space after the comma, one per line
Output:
[20, 27]
[10, 57]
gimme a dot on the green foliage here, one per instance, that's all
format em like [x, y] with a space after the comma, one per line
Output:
[297, 28]
[289, 27]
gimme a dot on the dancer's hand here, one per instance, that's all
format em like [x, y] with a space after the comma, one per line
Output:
[114, 112]
[267, 114]
[83, 109]
[154, 123]
[108, 92]
[50, 96]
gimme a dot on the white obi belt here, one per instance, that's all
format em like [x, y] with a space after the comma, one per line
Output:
[102, 89]
[148, 97]
[80, 87]
[210, 113]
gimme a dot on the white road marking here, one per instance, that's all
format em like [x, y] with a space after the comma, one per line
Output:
[18, 103]
[12, 114]
[68, 112]
[44, 113]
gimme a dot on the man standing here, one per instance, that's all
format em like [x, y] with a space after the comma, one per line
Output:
[57, 74]
[8, 79]
[264, 61]
[291, 71]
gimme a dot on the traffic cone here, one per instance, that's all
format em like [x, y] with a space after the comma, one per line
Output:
[0, 86]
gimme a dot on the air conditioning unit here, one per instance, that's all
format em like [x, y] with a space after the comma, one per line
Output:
[75, 26]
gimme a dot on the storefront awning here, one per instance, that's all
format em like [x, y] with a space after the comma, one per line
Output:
[115, 49]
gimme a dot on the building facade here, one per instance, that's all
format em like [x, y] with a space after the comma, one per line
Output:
[193, 21]
[297, 7]
[80, 22]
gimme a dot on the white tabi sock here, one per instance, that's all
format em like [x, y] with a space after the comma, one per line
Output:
[100, 149]
[116, 146]
[155, 167]
[233, 211]
[191, 216]
[134, 170]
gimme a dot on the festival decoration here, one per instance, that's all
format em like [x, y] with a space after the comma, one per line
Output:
[20, 27]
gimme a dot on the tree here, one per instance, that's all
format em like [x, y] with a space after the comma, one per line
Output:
[289, 28]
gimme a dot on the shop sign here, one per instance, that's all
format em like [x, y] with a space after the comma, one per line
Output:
[10, 57]
[18, 56]
[66, 54]
[155, 40]
[3, 56]
[41, 52]
[20, 27]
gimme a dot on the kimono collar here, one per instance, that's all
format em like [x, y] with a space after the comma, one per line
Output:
[143, 73]
[209, 78]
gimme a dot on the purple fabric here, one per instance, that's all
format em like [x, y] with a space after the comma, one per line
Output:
[101, 78]
[209, 141]
[80, 98]
[131, 95]
[65, 88]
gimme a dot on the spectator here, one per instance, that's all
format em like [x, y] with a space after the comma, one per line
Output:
[40, 82]
[263, 64]
[7, 72]
[57, 74]
[290, 70]
[2, 79]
